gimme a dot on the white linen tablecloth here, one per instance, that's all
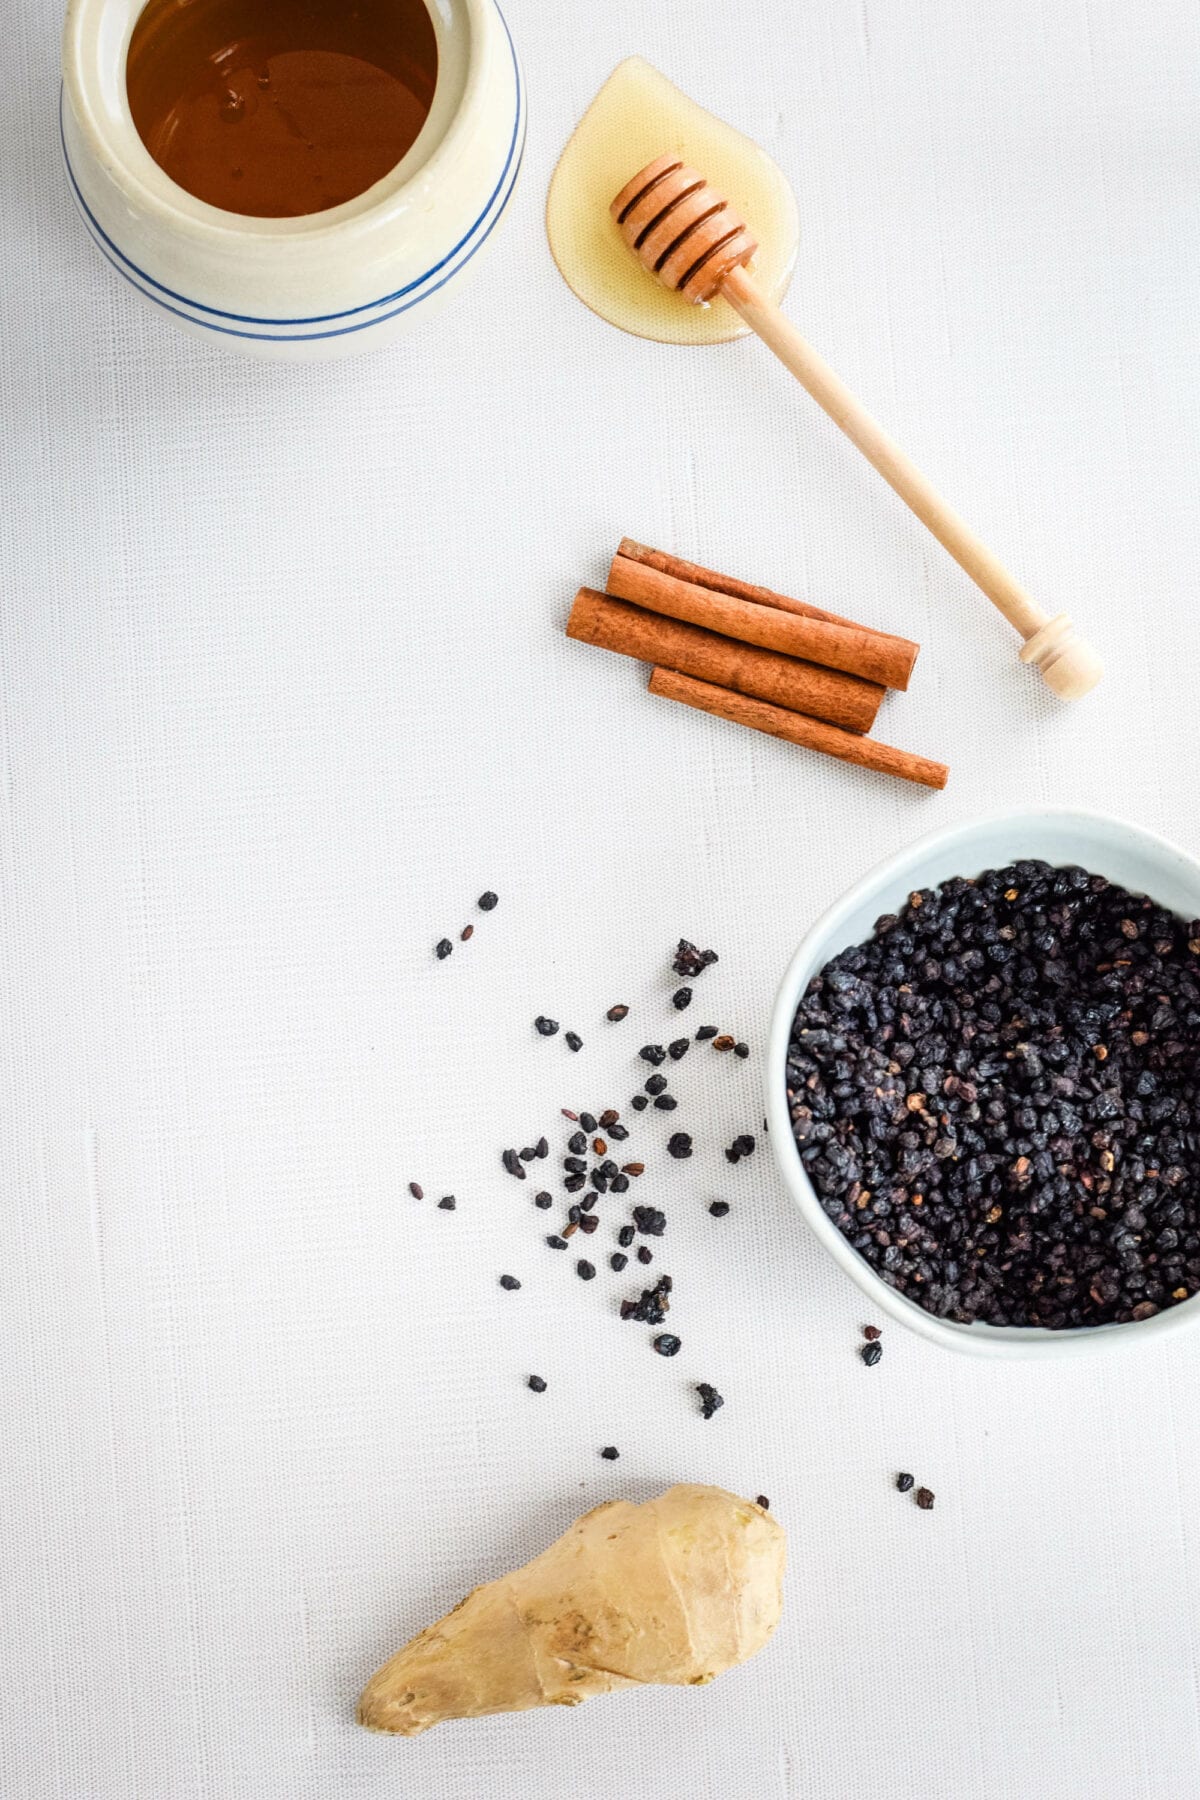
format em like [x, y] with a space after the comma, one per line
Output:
[284, 687]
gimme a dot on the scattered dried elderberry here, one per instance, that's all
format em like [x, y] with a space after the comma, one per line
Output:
[416, 1190]
[443, 949]
[666, 1103]
[654, 1054]
[679, 1145]
[871, 1332]
[537, 1384]
[871, 1353]
[719, 1209]
[656, 1085]
[543, 1201]
[724, 1042]
[706, 1033]
[649, 1221]
[618, 1134]
[617, 1013]
[925, 1499]
[513, 1164]
[681, 999]
[645, 1254]
[545, 1027]
[610, 1453]
[447, 1203]
[555, 1242]
[742, 1050]
[710, 1400]
[690, 962]
[668, 1345]
[626, 1236]
[679, 1049]
[639, 1103]
[617, 1261]
[588, 1121]
[608, 1117]
[574, 1041]
[509, 1283]
[904, 1482]
[761, 1500]
[589, 1224]
[653, 1306]
[488, 901]
[585, 1270]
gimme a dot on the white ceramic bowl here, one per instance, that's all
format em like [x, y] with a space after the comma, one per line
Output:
[1138, 860]
[332, 283]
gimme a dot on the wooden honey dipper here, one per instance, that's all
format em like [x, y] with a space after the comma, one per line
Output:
[692, 241]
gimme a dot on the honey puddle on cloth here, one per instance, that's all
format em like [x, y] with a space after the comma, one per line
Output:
[636, 116]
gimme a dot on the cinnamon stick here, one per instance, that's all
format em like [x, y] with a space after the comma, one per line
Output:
[813, 734]
[729, 584]
[871, 654]
[763, 674]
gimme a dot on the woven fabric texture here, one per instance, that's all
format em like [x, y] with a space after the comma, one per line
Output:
[284, 688]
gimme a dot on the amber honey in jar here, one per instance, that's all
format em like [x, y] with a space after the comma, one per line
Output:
[279, 108]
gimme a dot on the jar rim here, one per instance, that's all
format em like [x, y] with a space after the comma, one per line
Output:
[96, 39]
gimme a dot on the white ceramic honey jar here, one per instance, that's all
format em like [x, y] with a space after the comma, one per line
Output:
[323, 285]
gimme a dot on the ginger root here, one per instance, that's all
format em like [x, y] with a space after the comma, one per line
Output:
[675, 1590]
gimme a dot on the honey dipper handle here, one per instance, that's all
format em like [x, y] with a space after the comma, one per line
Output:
[1068, 665]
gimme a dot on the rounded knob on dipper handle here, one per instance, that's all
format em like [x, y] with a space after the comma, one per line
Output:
[1065, 661]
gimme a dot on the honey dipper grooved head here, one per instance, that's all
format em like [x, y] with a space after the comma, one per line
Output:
[680, 229]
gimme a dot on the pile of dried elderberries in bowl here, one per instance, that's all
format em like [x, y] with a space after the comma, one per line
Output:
[983, 1084]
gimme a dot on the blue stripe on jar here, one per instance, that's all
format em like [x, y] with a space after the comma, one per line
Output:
[136, 277]
[307, 337]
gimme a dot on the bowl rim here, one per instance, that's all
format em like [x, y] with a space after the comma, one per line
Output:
[812, 952]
